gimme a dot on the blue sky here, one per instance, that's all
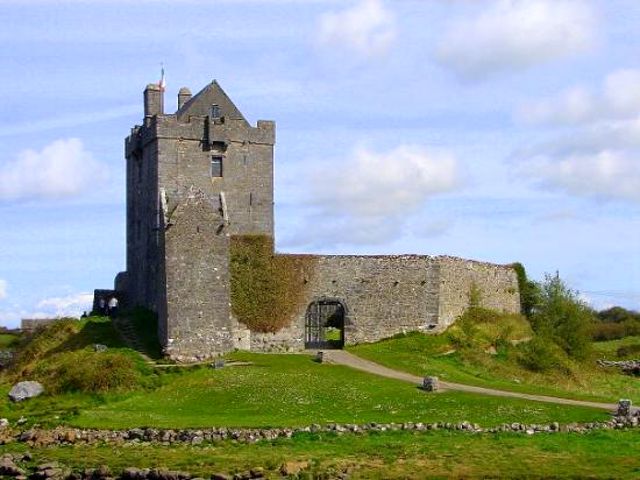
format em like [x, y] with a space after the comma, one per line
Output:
[500, 130]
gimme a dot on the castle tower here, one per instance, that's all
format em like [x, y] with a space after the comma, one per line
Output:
[194, 178]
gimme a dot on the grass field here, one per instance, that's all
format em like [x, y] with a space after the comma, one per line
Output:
[381, 455]
[610, 350]
[292, 390]
[434, 355]
[8, 341]
[283, 390]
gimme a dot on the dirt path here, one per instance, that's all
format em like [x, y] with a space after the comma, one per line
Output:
[345, 358]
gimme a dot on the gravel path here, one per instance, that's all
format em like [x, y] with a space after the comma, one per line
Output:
[345, 358]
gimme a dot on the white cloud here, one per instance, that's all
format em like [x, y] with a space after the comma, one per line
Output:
[61, 169]
[373, 183]
[604, 174]
[3, 289]
[516, 34]
[68, 306]
[618, 97]
[367, 29]
[368, 197]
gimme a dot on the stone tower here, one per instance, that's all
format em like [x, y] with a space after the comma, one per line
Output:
[194, 178]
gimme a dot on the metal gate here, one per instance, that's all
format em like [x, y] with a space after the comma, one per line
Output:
[324, 325]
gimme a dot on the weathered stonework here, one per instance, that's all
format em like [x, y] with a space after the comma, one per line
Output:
[203, 174]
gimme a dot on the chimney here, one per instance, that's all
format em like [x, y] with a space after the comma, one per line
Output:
[184, 95]
[153, 100]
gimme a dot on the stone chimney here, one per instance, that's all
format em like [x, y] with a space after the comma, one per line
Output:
[153, 100]
[184, 95]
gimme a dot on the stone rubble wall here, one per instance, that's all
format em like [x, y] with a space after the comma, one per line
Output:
[496, 284]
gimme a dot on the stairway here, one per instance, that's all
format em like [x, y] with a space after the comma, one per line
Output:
[129, 336]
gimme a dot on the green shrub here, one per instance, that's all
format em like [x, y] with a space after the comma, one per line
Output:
[563, 318]
[539, 354]
[89, 372]
[480, 328]
[41, 342]
[266, 288]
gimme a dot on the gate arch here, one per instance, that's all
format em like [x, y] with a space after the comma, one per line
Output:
[324, 324]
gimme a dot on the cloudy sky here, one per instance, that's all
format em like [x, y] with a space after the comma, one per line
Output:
[500, 130]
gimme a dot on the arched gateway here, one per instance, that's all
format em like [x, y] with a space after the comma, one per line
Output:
[324, 326]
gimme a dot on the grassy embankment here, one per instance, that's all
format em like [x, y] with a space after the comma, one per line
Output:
[117, 389]
[289, 390]
[493, 358]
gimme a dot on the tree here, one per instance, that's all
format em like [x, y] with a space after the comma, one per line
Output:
[562, 317]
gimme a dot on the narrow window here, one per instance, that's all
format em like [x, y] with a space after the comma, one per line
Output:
[215, 111]
[216, 166]
[250, 199]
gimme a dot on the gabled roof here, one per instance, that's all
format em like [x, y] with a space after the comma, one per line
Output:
[212, 94]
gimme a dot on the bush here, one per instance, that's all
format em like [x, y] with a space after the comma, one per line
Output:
[90, 372]
[480, 328]
[563, 318]
[603, 331]
[539, 354]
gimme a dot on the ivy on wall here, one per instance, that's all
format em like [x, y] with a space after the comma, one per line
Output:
[267, 288]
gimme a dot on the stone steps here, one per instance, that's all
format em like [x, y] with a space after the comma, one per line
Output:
[129, 336]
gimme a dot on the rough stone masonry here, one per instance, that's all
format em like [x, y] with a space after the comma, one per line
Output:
[200, 175]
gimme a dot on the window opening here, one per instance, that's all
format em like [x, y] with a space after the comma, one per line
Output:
[216, 166]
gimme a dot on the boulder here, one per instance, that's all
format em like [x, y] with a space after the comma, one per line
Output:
[624, 408]
[98, 347]
[431, 384]
[24, 390]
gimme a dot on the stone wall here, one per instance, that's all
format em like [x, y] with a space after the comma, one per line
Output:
[382, 296]
[198, 323]
[497, 287]
[387, 295]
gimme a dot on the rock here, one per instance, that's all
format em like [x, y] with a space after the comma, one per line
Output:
[624, 408]
[21, 421]
[133, 473]
[24, 390]
[430, 384]
[4, 423]
[319, 357]
[293, 468]
[221, 476]
[8, 468]
[218, 363]
[257, 472]
[98, 347]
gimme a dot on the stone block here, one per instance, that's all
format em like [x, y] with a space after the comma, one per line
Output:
[430, 384]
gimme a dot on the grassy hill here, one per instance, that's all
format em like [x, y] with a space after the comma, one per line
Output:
[118, 389]
[291, 390]
[485, 364]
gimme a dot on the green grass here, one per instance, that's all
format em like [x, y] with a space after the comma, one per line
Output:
[380, 456]
[9, 341]
[433, 355]
[145, 326]
[268, 390]
[62, 357]
[293, 390]
[609, 350]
